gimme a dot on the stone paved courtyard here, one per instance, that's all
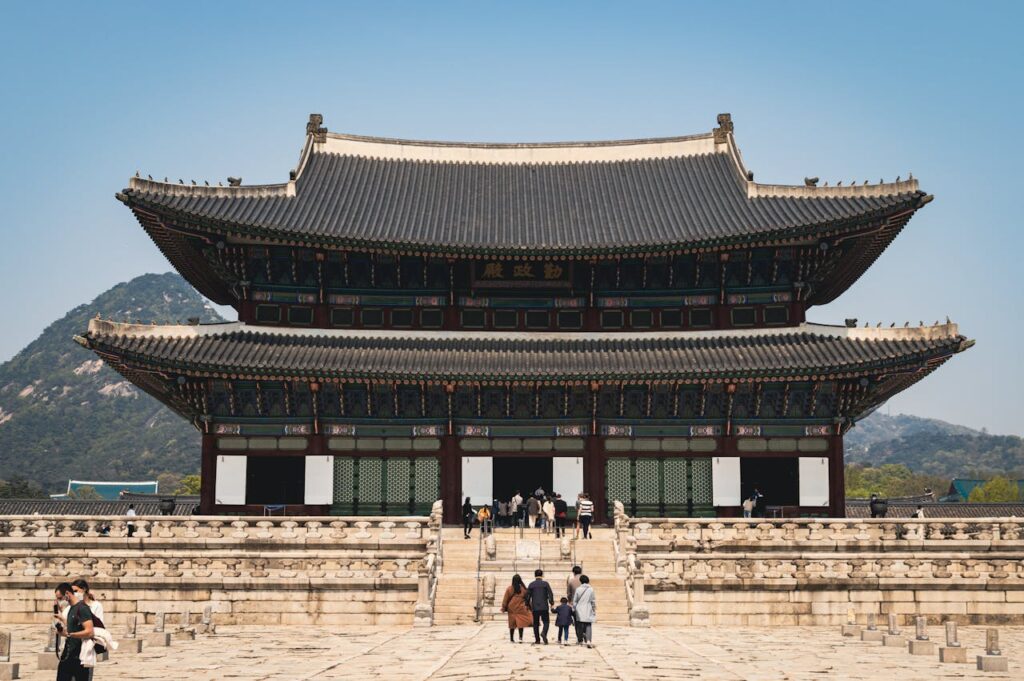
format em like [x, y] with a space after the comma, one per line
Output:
[484, 653]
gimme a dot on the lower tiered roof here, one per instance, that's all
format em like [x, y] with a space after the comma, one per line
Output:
[239, 351]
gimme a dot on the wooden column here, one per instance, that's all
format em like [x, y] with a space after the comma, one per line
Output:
[451, 479]
[836, 478]
[593, 476]
[208, 474]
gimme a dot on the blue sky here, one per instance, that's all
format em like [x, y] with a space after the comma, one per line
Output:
[844, 91]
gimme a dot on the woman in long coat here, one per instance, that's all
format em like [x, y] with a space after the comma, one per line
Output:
[519, 614]
[584, 605]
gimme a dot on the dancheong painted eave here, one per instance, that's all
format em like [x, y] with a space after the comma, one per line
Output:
[263, 352]
[581, 199]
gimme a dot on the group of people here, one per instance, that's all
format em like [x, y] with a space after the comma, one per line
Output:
[533, 605]
[549, 512]
[78, 618]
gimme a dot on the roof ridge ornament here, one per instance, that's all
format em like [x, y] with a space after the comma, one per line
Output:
[724, 128]
[315, 127]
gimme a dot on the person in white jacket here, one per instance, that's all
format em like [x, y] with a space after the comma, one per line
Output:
[584, 605]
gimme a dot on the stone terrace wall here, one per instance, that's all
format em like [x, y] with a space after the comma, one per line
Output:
[253, 570]
[782, 572]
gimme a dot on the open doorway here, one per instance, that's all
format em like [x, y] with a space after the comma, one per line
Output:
[775, 477]
[525, 474]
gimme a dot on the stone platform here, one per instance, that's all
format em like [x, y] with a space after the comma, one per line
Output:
[466, 653]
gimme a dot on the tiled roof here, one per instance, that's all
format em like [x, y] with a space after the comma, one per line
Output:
[580, 198]
[432, 355]
[112, 490]
[182, 506]
[859, 509]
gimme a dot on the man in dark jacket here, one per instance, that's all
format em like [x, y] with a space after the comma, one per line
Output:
[561, 513]
[541, 600]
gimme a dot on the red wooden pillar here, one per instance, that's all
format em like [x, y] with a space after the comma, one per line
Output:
[451, 478]
[837, 478]
[593, 477]
[208, 474]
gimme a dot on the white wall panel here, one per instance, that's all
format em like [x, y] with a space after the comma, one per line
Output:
[319, 480]
[230, 485]
[567, 477]
[813, 481]
[477, 480]
[725, 481]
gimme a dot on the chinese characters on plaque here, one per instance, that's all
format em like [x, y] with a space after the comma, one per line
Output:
[516, 273]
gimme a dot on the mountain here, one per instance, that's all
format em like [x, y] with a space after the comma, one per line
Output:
[933, 447]
[65, 414]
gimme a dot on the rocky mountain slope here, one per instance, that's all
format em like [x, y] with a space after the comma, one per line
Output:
[64, 414]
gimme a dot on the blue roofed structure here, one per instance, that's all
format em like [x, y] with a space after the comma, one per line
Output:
[960, 488]
[110, 491]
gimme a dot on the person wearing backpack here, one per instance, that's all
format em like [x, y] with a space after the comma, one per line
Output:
[515, 605]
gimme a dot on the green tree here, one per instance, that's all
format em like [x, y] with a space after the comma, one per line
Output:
[190, 484]
[21, 488]
[998, 489]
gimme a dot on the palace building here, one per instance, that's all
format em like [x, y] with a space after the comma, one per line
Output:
[424, 320]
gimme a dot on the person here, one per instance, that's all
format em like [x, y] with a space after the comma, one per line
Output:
[514, 603]
[77, 626]
[539, 492]
[467, 519]
[572, 582]
[585, 513]
[541, 599]
[563, 618]
[516, 508]
[549, 514]
[131, 525]
[748, 507]
[584, 605]
[81, 588]
[532, 511]
[919, 513]
[561, 514]
[759, 503]
[503, 514]
[484, 517]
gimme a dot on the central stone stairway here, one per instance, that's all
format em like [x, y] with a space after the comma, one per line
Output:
[514, 552]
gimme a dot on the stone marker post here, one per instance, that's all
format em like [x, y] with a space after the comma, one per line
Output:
[871, 633]
[132, 643]
[850, 628]
[952, 651]
[893, 639]
[47, 660]
[184, 632]
[992, 660]
[8, 669]
[921, 645]
[159, 637]
[207, 622]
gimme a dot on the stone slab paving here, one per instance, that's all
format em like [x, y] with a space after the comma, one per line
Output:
[483, 653]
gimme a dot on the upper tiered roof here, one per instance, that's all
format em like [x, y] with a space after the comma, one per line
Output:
[576, 199]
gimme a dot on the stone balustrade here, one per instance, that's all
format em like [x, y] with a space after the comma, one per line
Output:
[812, 571]
[259, 570]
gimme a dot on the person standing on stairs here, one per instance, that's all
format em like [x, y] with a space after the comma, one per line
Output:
[561, 513]
[514, 603]
[467, 519]
[585, 513]
[515, 507]
[541, 601]
[584, 604]
[533, 510]
[548, 509]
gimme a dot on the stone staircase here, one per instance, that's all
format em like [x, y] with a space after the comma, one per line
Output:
[457, 588]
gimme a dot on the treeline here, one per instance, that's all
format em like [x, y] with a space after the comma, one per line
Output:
[896, 480]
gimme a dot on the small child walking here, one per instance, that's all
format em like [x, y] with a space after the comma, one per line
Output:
[563, 619]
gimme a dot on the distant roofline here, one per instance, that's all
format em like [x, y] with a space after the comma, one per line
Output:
[916, 333]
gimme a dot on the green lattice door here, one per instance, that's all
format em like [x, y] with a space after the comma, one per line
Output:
[371, 485]
[660, 487]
